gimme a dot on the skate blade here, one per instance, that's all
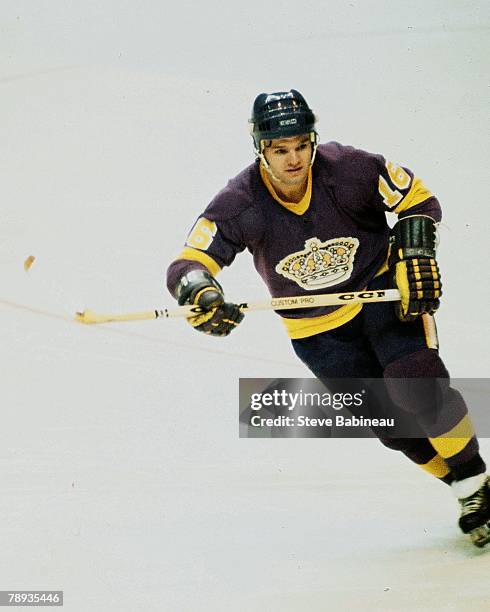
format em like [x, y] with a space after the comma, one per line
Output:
[480, 536]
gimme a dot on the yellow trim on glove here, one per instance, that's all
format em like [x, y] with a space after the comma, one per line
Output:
[401, 278]
[201, 318]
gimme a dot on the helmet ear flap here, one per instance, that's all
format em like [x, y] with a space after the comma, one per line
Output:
[252, 132]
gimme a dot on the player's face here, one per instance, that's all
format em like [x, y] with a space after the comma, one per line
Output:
[289, 159]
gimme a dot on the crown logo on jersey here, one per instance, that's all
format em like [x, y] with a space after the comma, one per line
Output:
[321, 264]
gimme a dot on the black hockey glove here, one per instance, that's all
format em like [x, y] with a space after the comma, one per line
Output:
[199, 288]
[414, 267]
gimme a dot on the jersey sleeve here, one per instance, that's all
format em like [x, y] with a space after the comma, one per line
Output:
[367, 183]
[229, 224]
[211, 245]
[400, 191]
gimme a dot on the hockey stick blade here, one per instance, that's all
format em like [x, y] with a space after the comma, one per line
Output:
[89, 317]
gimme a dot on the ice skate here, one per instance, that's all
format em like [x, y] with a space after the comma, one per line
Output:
[475, 510]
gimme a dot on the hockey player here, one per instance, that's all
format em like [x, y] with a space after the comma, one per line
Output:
[313, 217]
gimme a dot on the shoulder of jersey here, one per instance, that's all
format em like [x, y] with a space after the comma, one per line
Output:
[345, 159]
[335, 152]
[237, 198]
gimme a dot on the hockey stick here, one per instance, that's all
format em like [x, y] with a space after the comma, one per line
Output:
[287, 303]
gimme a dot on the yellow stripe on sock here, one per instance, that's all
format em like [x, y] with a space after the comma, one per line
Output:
[437, 467]
[455, 440]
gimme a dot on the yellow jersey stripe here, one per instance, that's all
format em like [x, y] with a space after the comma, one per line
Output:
[455, 440]
[417, 194]
[297, 208]
[303, 328]
[202, 258]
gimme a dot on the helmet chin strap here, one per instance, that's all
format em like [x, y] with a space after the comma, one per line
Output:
[314, 142]
[261, 156]
[265, 163]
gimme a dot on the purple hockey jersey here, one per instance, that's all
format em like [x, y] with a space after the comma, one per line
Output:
[335, 239]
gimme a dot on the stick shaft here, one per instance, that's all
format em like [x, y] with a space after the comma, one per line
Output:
[332, 299]
[287, 303]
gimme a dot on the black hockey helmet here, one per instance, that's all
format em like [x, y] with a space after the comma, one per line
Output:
[280, 115]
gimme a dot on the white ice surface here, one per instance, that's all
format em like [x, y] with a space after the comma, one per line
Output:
[124, 482]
